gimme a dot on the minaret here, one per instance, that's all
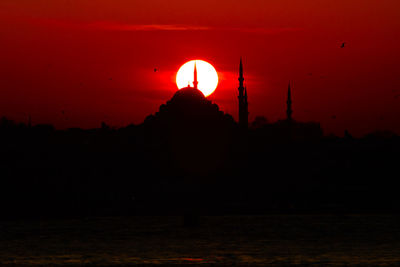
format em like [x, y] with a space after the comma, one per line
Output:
[195, 82]
[289, 110]
[243, 105]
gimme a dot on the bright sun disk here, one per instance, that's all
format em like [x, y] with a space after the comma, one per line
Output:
[206, 76]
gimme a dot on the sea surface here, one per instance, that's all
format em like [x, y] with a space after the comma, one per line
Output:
[273, 240]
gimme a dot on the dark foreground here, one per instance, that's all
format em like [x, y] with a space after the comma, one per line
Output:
[274, 240]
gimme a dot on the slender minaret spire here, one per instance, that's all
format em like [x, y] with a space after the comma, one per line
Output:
[195, 82]
[241, 79]
[289, 110]
[243, 106]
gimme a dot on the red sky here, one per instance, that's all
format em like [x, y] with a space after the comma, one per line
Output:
[94, 60]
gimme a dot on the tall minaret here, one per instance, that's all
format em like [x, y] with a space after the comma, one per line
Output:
[289, 110]
[195, 82]
[243, 105]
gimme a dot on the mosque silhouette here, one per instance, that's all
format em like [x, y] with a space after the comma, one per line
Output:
[189, 105]
[190, 109]
[192, 157]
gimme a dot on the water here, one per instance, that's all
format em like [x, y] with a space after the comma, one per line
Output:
[275, 240]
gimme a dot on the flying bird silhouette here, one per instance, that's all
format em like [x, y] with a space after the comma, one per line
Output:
[155, 69]
[342, 45]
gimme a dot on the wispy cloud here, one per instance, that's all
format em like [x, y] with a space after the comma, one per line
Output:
[179, 27]
[144, 27]
[116, 26]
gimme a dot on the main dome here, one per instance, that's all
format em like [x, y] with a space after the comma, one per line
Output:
[188, 94]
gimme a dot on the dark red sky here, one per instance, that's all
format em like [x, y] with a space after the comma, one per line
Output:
[60, 55]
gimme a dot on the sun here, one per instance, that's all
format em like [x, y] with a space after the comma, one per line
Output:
[206, 75]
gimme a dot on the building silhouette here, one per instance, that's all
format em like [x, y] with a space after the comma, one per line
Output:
[189, 108]
[195, 82]
[243, 105]
[186, 158]
[289, 129]
[191, 129]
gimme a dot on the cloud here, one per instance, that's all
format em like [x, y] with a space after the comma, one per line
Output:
[180, 27]
[131, 27]
[144, 27]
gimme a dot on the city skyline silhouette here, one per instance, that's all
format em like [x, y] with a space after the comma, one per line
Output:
[199, 133]
[73, 67]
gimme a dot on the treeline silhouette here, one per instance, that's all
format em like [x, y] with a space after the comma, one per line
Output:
[178, 160]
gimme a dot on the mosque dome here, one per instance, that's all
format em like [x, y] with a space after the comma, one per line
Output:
[188, 93]
[189, 109]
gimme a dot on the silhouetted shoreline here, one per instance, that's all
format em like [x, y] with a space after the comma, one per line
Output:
[143, 169]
